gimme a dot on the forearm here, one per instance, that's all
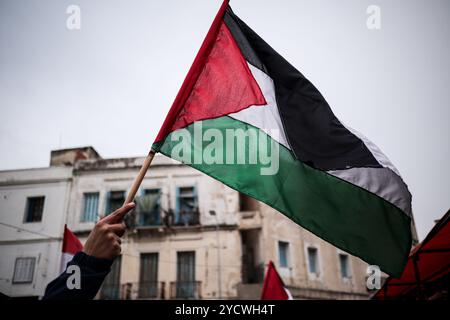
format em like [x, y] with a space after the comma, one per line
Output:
[92, 273]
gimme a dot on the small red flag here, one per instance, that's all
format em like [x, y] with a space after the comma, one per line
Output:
[71, 245]
[273, 288]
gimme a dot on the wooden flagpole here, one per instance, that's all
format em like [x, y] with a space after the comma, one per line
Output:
[138, 180]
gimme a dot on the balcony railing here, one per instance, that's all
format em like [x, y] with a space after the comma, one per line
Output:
[110, 292]
[185, 290]
[188, 218]
[151, 290]
[152, 218]
[133, 290]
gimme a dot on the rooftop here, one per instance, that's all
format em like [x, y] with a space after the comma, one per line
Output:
[121, 163]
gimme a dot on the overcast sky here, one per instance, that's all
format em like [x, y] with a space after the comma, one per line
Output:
[111, 83]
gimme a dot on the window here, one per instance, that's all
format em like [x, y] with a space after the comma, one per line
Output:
[148, 280]
[283, 251]
[90, 207]
[344, 264]
[148, 208]
[313, 262]
[34, 210]
[24, 270]
[187, 208]
[115, 201]
[185, 285]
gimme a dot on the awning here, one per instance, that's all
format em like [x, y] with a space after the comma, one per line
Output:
[427, 266]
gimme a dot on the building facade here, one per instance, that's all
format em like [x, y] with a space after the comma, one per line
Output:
[189, 237]
[33, 204]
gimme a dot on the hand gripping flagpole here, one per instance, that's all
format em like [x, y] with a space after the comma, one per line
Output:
[138, 180]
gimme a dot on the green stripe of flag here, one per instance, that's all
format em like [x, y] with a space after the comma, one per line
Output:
[341, 213]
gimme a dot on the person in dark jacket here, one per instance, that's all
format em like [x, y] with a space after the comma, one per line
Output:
[102, 247]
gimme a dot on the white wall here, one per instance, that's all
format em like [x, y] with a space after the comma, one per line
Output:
[41, 240]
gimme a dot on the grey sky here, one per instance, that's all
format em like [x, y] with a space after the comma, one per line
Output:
[111, 83]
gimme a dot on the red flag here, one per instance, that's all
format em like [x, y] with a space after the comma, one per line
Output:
[273, 288]
[71, 245]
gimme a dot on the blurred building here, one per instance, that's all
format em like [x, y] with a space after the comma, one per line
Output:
[33, 203]
[190, 236]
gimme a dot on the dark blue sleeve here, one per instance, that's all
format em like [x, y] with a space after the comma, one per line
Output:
[92, 271]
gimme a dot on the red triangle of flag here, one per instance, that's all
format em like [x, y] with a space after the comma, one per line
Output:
[218, 83]
[273, 288]
[71, 244]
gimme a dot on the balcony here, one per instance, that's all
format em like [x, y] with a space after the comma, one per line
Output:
[185, 290]
[148, 219]
[187, 218]
[151, 290]
[250, 220]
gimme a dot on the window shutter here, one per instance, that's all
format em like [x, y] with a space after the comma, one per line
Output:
[95, 210]
[24, 270]
[107, 206]
[177, 205]
[194, 191]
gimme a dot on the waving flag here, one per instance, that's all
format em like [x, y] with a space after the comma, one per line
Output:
[329, 178]
[71, 245]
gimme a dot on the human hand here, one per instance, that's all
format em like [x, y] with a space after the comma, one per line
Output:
[104, 240]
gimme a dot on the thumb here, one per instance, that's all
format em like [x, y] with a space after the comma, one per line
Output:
[118, 215]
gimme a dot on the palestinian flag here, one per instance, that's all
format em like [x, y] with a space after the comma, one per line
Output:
[328, 178]
[71, 245]
[273, 287]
